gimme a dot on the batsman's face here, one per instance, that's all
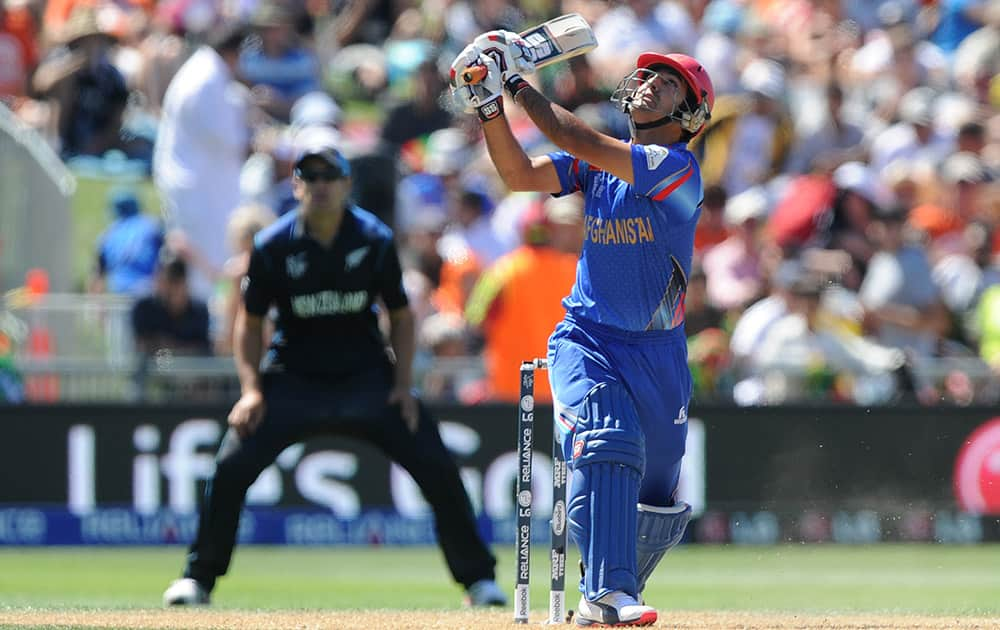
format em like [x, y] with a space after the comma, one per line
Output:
[659, 92]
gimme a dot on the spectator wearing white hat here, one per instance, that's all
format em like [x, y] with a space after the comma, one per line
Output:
[316, 108]
[750, 135]
[913, 137]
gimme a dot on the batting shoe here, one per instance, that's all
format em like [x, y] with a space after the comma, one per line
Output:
[614, 609]
[185, 592]
[485, 593]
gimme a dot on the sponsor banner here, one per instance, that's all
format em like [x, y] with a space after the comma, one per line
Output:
[32, 526]
[752, 475]
[860, 527]
[125, 526]
[160, 458]
[28, 525]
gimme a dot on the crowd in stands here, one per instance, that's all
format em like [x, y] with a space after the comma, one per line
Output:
[850, 229]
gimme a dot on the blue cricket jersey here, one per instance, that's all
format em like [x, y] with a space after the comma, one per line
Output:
[639, 241]
[325, 297]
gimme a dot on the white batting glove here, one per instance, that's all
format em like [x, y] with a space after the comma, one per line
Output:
[472, 91]
[513, 55]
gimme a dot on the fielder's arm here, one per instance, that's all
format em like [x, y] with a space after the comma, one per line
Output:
[402, 338]
[248, 349]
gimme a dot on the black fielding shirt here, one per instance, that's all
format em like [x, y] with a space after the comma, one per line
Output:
[325, 298]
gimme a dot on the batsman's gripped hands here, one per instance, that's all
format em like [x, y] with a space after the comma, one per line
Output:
[408, 408]
[482, 97]
[513, 55]
[247, 413]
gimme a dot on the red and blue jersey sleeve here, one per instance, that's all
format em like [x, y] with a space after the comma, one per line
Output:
[572, 172]
[667, 174]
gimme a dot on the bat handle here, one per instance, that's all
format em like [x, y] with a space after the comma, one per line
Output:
[474, 74]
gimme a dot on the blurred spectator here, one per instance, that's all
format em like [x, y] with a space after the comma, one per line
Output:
[277, 66]
[988, 323]
[734, 267]
[419, 115]
[749, 137]
[711, 229]
[579, 84]
[835, 141]
[171, 319]
[913, 137]
[163, 50]
[894, 60]
[753, 324]
[18, 51]
[971, 138]
[631, 27]
[858, 196]
[420, 221]
[977, 61]
[128, 250]
[816, 357]
[443, 336]
[718, 48]
[202, 142]
[518, 300]
[963, 276]
[472, 225]
[699, 314]
[963, 178]
[708, 342]
[13, 333]
[903, 307]
[244, 224]
[88, 91]
[951, 21]
[315, 109]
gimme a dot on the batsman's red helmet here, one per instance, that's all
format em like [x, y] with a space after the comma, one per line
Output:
[693, 72]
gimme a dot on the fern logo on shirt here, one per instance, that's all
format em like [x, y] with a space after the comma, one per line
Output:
[329, 303]
[296, 265]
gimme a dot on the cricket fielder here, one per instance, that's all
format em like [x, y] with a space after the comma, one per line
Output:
[618, 361]
[327, 269]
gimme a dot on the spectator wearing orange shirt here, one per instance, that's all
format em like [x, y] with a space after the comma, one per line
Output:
[18, 51]
[518, 300]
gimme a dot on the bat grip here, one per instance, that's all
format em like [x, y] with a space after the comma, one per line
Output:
[474, 74]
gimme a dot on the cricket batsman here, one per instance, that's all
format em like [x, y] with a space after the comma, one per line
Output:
[618, 361]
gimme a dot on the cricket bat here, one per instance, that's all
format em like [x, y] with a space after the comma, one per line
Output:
[555, 40]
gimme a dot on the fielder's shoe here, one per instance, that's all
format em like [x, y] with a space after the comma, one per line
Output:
[614, 609]
[185, 592]
[485, 593]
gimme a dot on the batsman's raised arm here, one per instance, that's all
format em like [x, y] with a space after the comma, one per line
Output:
[501, 54]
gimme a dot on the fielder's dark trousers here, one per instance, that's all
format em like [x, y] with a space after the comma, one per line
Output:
[298, 409]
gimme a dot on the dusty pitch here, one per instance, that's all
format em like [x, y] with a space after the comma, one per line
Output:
[472, 620]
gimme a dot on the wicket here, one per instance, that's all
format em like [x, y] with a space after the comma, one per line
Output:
[525, 438]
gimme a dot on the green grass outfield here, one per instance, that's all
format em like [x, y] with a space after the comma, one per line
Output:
[902, 579]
